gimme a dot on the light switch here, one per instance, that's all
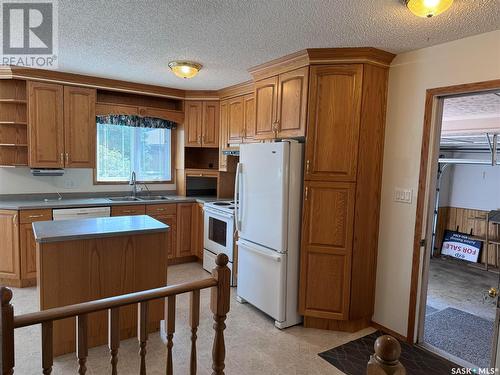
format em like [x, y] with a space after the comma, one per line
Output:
[403, 195]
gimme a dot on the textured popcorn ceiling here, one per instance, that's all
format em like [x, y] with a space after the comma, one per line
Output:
[472, 107]
[135, 39]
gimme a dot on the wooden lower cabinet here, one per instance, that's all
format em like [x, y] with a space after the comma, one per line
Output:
[171, 221]
[18, 246]
[327, 237]
[199, 226]
[28, 252]
[186, 237]
[129, 210]
[10, 272]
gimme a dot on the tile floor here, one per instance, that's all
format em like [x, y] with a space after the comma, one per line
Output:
[253, 344]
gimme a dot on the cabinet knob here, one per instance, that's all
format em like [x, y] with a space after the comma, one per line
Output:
[62, 157]
[307, 166]
[67, 157]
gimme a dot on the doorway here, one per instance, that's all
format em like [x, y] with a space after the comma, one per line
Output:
[459, 278]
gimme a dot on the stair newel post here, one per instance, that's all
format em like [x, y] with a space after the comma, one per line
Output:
[6, 332]
[219, 305]
[386, 357]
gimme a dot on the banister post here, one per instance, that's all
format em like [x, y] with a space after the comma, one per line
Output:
[385, 361]
[219, 305]
[6, 331]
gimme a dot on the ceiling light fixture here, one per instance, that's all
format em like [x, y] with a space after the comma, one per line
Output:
[184, 69]
[428, 8]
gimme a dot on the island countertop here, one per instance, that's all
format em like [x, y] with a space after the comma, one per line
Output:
[80, 229]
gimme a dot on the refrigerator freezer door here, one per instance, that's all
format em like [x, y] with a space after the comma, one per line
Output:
[262, 278]
[263, 194]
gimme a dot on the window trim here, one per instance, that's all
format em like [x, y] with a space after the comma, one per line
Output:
[173, 145]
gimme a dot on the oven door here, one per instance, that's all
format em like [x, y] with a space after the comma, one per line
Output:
[218, 232]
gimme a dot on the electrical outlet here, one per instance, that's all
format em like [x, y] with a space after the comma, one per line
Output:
[403, 195]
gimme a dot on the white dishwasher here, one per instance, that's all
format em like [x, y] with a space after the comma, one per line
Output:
[80, 213]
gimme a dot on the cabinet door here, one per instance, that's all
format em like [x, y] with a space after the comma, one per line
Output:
[171, 221]
[223, 135]
[199, 222]
[249, 118]
[79, 127]
[327, 232]
[334, 121]
[45, 121]
[266, 96]
[210, 127]
[9, 245]
[193, 123]
[185, 237]
[235, 120]
[28, 251]
[292, 103]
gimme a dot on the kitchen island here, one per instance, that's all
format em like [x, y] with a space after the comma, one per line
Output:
[88, 259]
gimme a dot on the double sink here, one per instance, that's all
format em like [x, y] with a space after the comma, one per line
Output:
[139, 199]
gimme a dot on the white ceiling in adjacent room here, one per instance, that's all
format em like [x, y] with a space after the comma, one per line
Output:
[134, 40]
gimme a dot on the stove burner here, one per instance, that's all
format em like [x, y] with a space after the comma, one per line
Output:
[221, 204]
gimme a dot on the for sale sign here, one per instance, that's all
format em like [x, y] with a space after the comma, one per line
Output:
[461, 246]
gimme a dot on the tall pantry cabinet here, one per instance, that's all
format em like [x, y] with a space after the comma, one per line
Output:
[346, 103]
[342, 180]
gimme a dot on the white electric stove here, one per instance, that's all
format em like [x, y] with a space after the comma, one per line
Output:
[219, 234]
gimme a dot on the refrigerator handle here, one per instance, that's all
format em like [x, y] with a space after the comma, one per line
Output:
[237, 199]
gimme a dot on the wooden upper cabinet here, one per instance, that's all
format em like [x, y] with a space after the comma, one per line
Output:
[79, 127]
[223, 135]
[327, 235]
[9, 245]
[45, 119]
[193, 123]
[266, 96]
[249, 118]
[236, 119]
[201, 124]
[292, 103]
[334, 122]
[210, 124]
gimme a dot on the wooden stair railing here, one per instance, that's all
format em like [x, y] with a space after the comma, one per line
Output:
[385, 361]
[219, 304]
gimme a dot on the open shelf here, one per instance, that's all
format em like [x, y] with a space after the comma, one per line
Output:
[13, 123]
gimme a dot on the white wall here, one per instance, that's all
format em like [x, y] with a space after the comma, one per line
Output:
[467, 60]
[20, 181]
[471, 186]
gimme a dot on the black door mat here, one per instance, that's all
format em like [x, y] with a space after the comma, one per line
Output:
[461, 334]
[352, 358]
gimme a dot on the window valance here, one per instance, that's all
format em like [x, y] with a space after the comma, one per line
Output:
[136, 121]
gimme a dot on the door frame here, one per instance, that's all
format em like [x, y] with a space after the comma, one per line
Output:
[426, 193]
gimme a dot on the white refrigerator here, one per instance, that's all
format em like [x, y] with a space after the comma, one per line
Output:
[268, 193]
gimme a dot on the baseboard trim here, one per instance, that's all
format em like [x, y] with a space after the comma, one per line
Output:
[380, 327]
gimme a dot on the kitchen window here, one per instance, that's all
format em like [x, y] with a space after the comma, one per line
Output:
[131, 143]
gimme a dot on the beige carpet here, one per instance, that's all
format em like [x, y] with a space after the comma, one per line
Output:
[253, 344]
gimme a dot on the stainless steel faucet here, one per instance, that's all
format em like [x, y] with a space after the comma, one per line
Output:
[132, 183]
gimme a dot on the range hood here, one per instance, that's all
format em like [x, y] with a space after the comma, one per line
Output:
[47, 171]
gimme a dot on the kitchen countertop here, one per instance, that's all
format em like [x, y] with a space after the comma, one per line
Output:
[40, 201]
[68, 230]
